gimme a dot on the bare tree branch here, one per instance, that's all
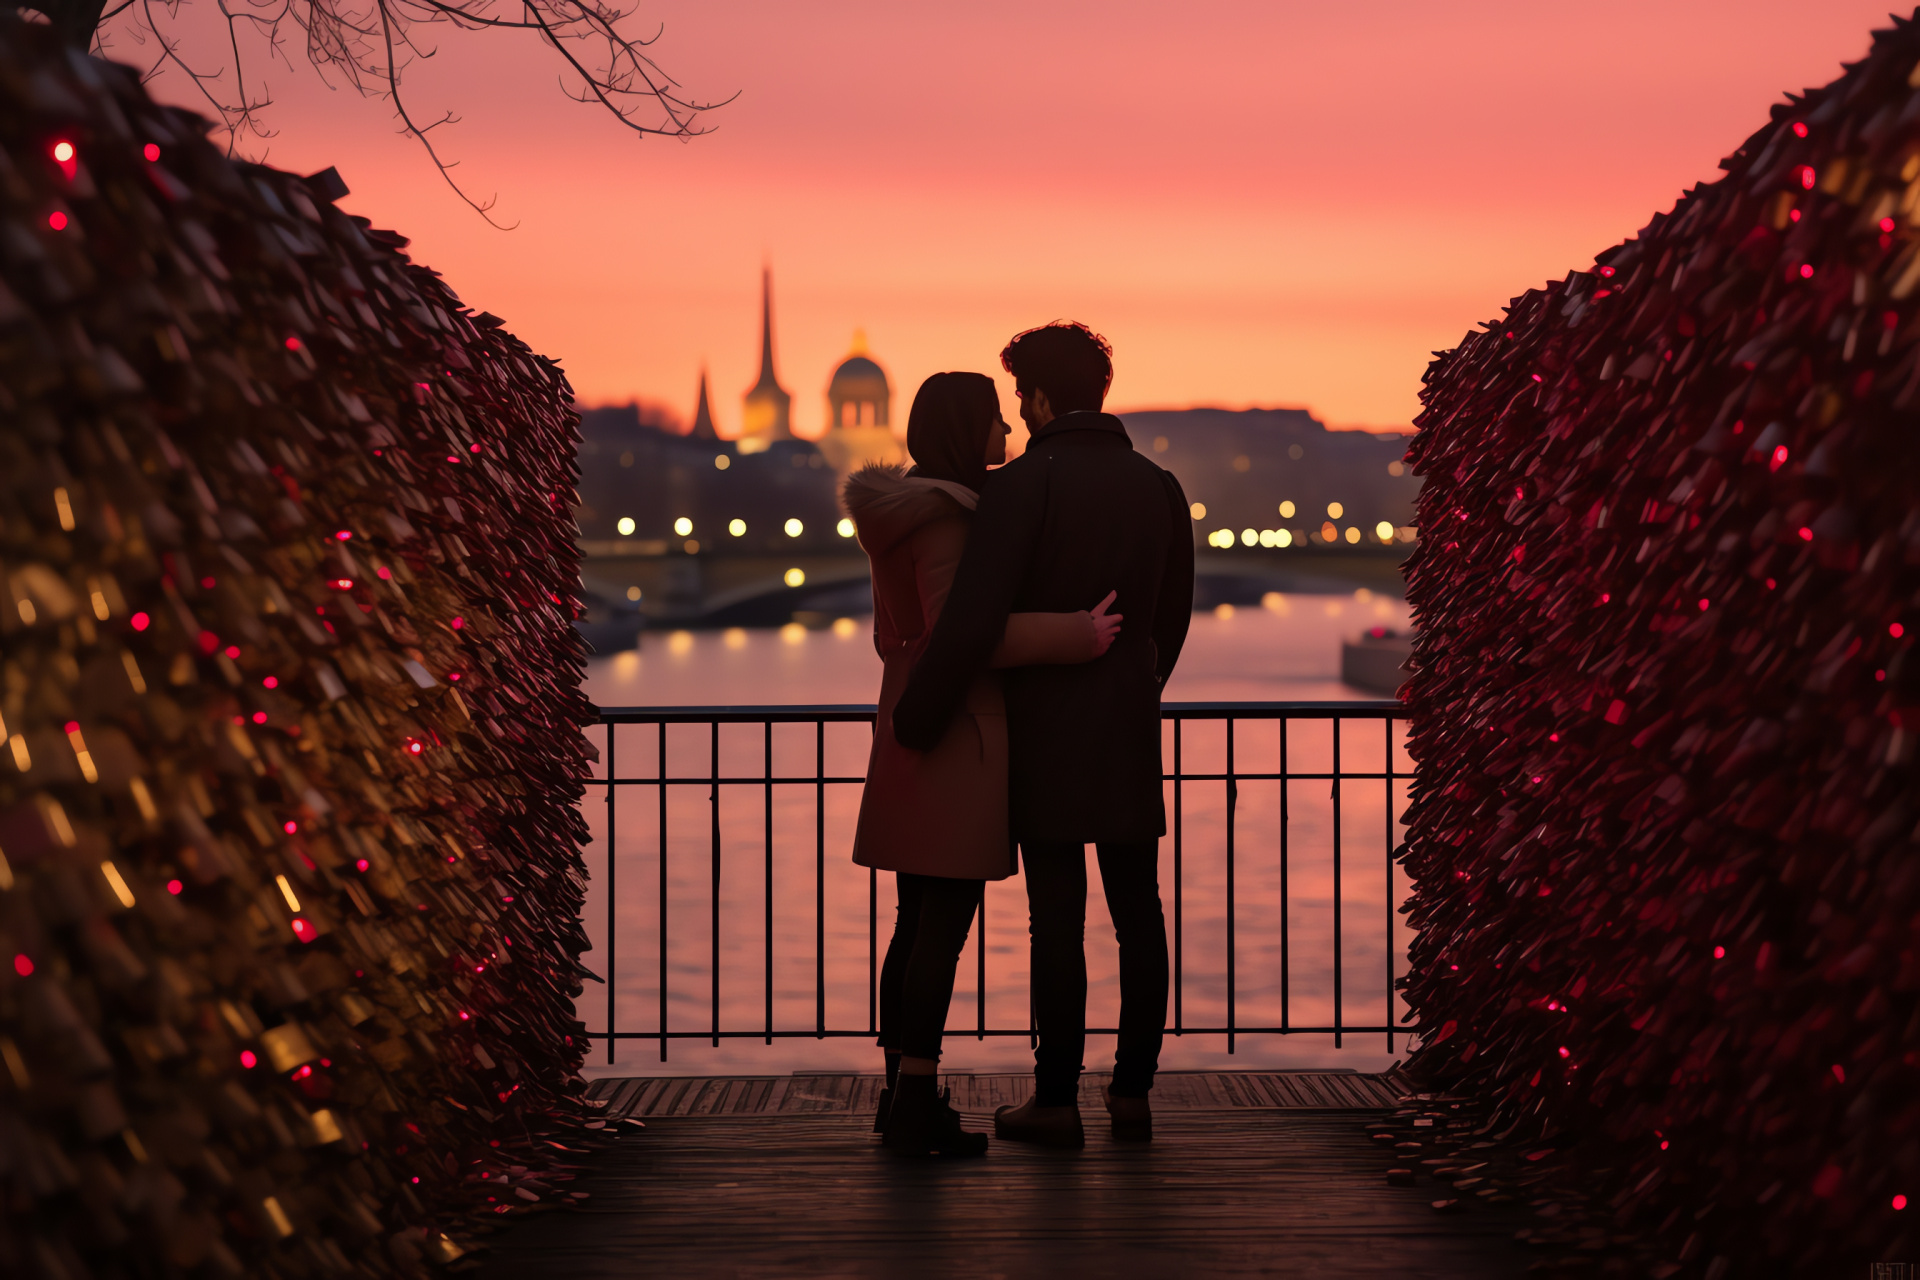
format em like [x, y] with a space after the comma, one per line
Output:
[370, 44]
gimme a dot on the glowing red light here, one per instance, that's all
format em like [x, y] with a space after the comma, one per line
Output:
[151, 151]
[453, 457]
[305, 1070]
[1565, 1052]
[459, 623]
[303, 929]
[57, 220]
[1779, 458]
[71, 727]
[415, 746]
[1886, 224]
[271, 682]
[473, 448]
[1806, 271]
[1553, 737]
[1806, 535]
[293, 343]
[1605, 271]
[259, 717]
[1899, 1202]
[1799, 128]
[463, 1015]
[233, 651]
[290, 827]
[1704, 603]
[175, 888]
[1793, 215]
[248, 1060]
[140, 621]
[23, 965]
[384, 572]
[1719, 953]
[1896, 631]
[1806, 175]
[1605, 596]
[361, 864]
[1880, 675]
[344, 535]
[1663, 1144]
[63, 151]
[454, 676]
[343, 584]
[1771, 584]
[1839, 1072]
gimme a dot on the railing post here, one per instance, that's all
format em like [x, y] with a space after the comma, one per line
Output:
[713, 804]
[1179, 830]
[980, 962]
[820, 879]
[662, 759]
[873, 932]
[1286, 901]
[613, 859]
[767, 808]
[1233, 797]
[1388, 894]
[1337, 953]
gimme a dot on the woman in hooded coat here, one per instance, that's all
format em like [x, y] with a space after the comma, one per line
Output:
[939, 818]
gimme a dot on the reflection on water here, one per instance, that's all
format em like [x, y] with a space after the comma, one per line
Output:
[798, 924]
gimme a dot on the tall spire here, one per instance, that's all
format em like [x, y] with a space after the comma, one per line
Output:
[767, 378]
[766, 412]
[703, 413]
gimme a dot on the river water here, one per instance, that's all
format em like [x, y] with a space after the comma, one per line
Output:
[825, 917]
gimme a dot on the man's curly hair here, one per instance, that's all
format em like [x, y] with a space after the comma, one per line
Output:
[1065, 359]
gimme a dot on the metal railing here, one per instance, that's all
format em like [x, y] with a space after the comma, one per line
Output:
[1177, 715]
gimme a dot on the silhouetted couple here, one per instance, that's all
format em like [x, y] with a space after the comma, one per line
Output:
[1016, 710]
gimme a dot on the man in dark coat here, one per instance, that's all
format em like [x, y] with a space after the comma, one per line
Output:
[1077, 515]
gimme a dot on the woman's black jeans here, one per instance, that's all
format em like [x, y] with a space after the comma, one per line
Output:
[916, 981]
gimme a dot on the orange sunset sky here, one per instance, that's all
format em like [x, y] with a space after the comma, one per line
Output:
[1259, 203]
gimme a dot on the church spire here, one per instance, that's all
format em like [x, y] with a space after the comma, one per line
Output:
[767, 378]
[703, 413]
[766, 415]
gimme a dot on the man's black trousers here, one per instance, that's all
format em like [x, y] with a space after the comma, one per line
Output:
[1056, 875]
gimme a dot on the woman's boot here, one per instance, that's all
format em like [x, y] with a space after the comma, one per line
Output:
[924, 1124]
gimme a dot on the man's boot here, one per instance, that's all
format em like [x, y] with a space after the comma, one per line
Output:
[1132, 1118]
[924, 1124]
[1042, 1126]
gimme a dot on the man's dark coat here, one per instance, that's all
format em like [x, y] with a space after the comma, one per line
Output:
[1075, 516]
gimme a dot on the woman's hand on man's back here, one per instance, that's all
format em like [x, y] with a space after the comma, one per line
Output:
[1105, 625]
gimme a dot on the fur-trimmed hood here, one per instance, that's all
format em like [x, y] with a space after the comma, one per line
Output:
[887, 504]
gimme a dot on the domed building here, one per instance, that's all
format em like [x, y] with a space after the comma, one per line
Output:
[859, 413]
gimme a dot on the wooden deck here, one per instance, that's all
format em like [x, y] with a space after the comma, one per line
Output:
[1250, 1174]
[646, 1097]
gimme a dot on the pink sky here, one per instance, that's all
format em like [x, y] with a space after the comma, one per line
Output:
[1259, 203]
